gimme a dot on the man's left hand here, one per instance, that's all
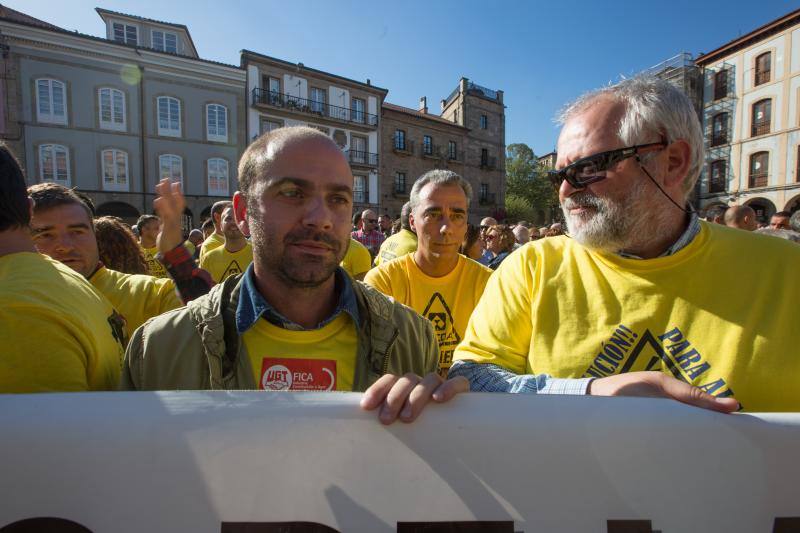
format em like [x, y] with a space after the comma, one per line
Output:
[404, 397]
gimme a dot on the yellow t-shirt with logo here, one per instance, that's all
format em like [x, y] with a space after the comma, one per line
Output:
[57, 332]
[357, 259]
[222, 264]
[322, 359]
[447, 301]
[215, 240]
[401, 243]
[154, 265]
[136, 297]
[721, 314]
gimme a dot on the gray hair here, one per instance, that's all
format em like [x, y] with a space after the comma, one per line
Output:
[794, 221]
[653, 107]
[404, 212]
[782, 233]
[438, 177]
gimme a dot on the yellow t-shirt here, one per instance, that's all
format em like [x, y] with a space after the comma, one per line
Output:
[57, 332]
[447, 301]
[710, 314]
[136, 297]
[190, 246]
[154, 265]
[401, 243]
[222, 264]
[321, 359]
[357, 259]
[215, 240]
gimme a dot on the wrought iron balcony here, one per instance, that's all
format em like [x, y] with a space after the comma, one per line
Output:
[759, 128]
[759, 179]
[360, 157]
[312, 107]
[719, 138]
[488, 162]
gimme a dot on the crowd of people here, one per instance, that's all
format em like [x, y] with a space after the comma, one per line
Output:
[284, 289]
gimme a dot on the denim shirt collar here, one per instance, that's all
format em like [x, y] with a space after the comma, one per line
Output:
[253, 306]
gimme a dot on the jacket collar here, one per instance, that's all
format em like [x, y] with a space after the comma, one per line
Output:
[252, 305]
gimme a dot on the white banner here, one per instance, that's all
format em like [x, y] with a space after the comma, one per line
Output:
[255, 462]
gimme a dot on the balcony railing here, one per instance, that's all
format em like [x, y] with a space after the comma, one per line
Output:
[404, 147]
[359, 157]
[759, 128]
[489, 162]
[312, 107]
[759, 179]
[719, 138]
[762, 76]
[487, 199]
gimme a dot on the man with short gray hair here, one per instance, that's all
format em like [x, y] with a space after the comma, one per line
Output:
[436, 281]
[640, 298]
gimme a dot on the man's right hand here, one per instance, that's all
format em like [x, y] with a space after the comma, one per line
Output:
[169, 206]
[659, 385]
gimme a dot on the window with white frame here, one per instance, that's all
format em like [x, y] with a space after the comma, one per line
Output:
[360, 194]
[54, 164]
[170, 166]
[217, 177]
[112, 109]
[169, 116]
[164, 41]
[359, 107]
[126, 33]
[115, 169]
[217, 123]
[51, 101]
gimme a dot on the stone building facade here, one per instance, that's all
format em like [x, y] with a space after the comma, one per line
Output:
[288, 94]
[467, 138]
[111, 116]
[751, 120]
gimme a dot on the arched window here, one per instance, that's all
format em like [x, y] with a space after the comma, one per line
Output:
[51, 101]
[217, 123]
[719, 129]
[763, 68]
[759, 169]
[54, 164]
[169, 116]
[115, 169]
[112, 108]
[762, 117]
[217, 177]
[718, 178]
[170, 166]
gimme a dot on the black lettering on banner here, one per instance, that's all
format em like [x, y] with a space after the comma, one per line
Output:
[275, 527]
[456, 527]
[786, 524]
[47, 524]
[630, 526]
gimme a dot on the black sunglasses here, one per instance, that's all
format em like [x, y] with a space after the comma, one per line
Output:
[592, 169]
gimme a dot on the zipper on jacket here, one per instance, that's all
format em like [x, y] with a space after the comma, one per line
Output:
[385, 367]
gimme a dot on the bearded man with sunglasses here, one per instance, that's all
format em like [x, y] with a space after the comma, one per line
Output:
[640, 297]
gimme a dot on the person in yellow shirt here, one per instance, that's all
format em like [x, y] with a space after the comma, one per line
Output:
[62, 229]
[357, 260]
[401, 243]
[436, 281]
[641, 290]
[217, 238]
[149, 227]
[233, 257]
[58, 333]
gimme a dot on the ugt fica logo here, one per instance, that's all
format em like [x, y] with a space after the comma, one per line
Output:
[277, 377]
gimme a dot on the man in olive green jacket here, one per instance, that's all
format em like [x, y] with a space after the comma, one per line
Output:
[294, 320]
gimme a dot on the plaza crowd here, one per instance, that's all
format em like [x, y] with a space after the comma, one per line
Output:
[285, 289]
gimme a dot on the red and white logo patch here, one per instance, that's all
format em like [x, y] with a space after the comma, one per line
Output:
[298, 374]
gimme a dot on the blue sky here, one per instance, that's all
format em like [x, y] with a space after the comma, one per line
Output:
[542, 54]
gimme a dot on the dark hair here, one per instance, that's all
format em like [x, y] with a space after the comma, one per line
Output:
[405, 211]
[786, 214]
[49, 195]
[356, 219]
[715, 211]
[119, 249]
[208, 224]
[144, 219]
[472, 235]
[219, 207]
[14, 212]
